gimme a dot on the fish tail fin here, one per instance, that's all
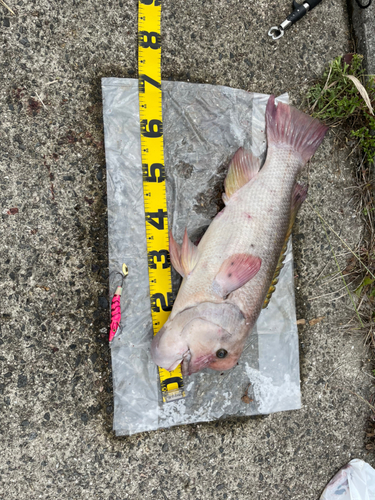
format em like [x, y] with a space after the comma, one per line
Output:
[289, 126]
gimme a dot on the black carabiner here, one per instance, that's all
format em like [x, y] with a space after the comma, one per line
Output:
[299, 11]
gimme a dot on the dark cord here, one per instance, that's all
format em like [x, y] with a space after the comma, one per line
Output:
[120, 273]
[363, 6]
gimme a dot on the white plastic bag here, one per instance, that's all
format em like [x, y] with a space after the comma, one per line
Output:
[355, 481]
[203, 126]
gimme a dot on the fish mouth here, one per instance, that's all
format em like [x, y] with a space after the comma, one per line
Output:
[174, 365]
[186, 356]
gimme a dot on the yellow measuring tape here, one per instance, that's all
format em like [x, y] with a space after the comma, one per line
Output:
[155, 200]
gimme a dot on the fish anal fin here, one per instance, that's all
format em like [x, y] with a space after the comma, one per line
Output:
[234, 272]
[189, 255]
[243, 167]
[298, 197]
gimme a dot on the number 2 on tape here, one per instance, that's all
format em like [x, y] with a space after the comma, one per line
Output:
[155, 201]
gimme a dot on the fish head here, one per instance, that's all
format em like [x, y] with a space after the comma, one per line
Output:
[197, 342]
[209, 346]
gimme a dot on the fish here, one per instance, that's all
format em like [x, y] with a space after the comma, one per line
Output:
[231, 273]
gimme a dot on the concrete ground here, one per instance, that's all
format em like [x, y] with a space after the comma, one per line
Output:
[363, 22]
[56, 393]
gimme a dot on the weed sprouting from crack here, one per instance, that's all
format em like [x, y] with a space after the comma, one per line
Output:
[345, 97]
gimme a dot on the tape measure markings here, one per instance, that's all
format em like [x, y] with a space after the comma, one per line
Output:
[153, 171]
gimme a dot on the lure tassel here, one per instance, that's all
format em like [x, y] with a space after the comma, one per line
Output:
[115, 313]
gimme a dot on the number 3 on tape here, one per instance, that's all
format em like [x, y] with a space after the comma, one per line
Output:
[155, 200]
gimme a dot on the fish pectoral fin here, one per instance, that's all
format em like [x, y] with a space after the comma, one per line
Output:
[175, 254]
[235, 272]
[189, 255]
[243, 167]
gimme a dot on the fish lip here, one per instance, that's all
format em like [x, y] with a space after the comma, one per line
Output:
[186, 355]
[174, 365]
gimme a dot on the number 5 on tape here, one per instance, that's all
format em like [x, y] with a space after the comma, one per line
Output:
[155, 201]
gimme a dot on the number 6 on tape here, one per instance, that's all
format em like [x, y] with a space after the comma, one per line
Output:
[155, 200]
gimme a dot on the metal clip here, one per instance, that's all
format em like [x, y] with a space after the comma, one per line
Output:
[277, 32]
[299, 10]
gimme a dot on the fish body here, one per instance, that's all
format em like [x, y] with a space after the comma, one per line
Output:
[226, 277]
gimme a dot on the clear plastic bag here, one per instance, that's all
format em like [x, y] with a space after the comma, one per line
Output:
[355, 481]
[204, 125]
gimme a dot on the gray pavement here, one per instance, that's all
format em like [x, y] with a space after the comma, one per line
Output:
[55, 384]
[363, 21]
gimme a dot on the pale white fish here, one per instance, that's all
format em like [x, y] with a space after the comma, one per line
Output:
[226, 277]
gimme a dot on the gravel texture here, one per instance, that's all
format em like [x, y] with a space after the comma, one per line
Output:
[55, 384]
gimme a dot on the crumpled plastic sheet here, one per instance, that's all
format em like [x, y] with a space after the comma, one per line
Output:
[355, 481]
[204, 126]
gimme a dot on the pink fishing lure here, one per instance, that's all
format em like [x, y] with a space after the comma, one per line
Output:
[115, 313]
[116, 305]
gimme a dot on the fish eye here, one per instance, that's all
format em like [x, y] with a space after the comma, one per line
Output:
[221, 353]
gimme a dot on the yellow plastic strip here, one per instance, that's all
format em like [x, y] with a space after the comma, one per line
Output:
[155, 201]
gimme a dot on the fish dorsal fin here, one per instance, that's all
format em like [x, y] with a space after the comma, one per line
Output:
[185, 257]
[234, 272]
[275, 279]
[243, 167]
[298, 197]
[189, 255]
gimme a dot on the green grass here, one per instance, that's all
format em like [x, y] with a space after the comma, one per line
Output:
[344, 98]
[336, 100]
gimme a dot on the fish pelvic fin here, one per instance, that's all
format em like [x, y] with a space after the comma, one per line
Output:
[298, 197]
[183, 257]
[289, 126]
[175, 254]
[189, 255]
[243, 167]
[234, 272]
